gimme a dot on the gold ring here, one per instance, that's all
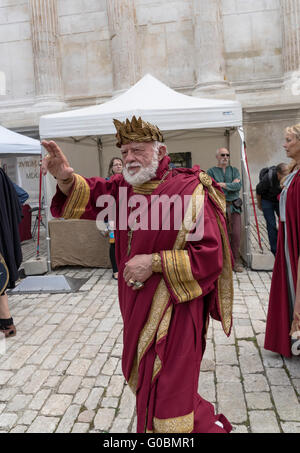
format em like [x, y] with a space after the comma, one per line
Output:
[138, 285]
[47, 156]
[131, 282]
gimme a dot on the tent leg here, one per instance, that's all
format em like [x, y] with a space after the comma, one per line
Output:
[46, 220]
[245, 197]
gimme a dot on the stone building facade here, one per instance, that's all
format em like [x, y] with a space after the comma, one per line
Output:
[57, 55]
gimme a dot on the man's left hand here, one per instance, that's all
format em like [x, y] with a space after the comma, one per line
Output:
[138, 269]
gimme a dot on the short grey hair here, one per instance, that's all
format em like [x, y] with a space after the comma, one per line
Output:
[219, 149]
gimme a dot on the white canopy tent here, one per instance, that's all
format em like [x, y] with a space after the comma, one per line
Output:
[154, 102]
[17, 145]
[21, 155]
[176, 114]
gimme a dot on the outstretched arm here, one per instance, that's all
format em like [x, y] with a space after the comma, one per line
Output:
[57, 164]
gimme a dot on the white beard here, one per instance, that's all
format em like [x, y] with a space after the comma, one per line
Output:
[144, 174]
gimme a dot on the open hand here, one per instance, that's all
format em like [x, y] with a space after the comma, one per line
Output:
[55, 161]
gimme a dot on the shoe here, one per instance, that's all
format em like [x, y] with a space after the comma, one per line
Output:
[9, 331]
[238, 267]
[115, 276]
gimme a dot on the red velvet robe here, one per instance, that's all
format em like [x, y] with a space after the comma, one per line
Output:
[277, 338]
[165, 323]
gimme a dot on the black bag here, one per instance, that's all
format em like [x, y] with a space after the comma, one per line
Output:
[238, 203]
[269, 171]
[4, 275]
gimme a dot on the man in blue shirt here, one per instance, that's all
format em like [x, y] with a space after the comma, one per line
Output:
[229, 179]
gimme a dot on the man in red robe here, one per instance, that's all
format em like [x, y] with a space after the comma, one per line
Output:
[170, 278]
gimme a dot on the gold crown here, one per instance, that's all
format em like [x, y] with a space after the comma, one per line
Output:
[136, 131]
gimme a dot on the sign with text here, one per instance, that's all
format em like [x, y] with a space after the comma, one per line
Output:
[24, 171]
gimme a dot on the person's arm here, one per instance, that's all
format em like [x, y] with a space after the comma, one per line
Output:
[76, 197]
[212, 174]
[258, 199]
[65, 185]
[236, 184]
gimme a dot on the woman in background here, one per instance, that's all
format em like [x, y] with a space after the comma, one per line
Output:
[115, 167]
[283, 320]
[10, 249]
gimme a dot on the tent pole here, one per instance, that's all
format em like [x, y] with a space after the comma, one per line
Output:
[46, 218]
[245, 182]
[100, 156]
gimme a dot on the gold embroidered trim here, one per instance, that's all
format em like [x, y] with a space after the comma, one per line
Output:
[162, 332]
[216, 195]
[147, 188]
[205, 179]
[156, 263]
[78, 199]
[225, 283]
[147, 334]
[156, 367]
[7, 274]
[176, 260]
[179, 274]
[164, 325]
[134, 376]
[184, 424]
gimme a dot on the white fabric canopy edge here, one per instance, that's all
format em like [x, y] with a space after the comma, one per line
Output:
[172, 111]
[13, 144]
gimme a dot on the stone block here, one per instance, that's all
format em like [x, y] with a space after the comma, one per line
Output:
[43, 425]
[56, 405]
[36, 266]
[104, 419]
[263, 422]
[262, 261]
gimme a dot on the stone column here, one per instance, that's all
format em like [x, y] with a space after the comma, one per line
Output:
[47, 67]
[291, 44]
[209, 49]
[124, 43]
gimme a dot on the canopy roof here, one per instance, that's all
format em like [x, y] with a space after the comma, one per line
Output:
[14, 145]
[154, 102]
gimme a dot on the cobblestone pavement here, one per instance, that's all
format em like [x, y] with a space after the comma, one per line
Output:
[62, 372]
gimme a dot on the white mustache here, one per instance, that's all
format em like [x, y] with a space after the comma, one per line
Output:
[133, 165]
[137, 164]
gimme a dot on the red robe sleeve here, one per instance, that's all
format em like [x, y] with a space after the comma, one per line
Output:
[81, 203]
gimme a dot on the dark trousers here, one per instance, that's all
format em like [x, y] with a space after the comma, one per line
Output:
[233, 221]
[113, 257]
[269, 209]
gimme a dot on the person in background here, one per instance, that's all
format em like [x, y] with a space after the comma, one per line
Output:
[22, 194]
[115, 167]
[267, 191]
[10, 247]
[229, 179]
[283, 319]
